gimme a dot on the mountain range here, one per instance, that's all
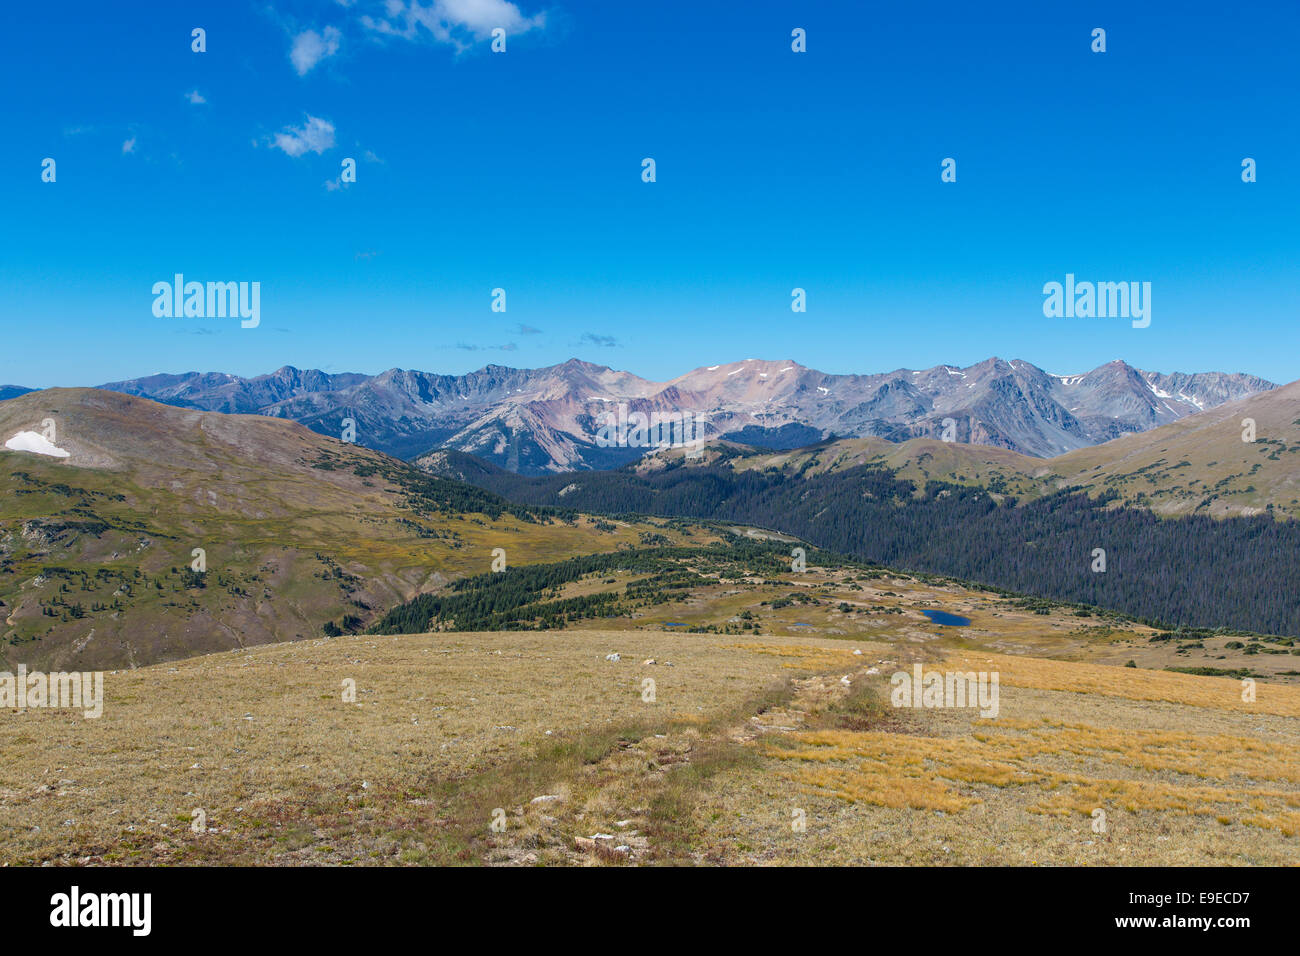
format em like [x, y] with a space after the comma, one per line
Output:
[1208, 463]
[1193, 522]
[537, 421]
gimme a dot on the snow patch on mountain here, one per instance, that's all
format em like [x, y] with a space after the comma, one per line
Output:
[36, 443]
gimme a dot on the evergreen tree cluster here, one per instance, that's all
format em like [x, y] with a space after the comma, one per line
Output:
[1193, 571]
[527, 597]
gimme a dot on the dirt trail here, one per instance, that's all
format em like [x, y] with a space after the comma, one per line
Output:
[607, 815]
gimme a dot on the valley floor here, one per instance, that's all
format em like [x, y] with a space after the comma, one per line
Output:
[533, 748]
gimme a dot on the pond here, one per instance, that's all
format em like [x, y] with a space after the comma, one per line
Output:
[946, 619]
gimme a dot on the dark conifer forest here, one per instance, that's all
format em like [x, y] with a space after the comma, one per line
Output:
[1238, 573]
[528, 597]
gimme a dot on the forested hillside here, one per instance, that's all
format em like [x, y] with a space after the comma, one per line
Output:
[1193, 571]
[529, 597]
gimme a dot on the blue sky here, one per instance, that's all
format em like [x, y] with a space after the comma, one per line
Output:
[522, 171]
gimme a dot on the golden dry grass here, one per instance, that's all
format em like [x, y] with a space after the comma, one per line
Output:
[1184, 771]
[1220, 693]
[447, 728]
[284, 769]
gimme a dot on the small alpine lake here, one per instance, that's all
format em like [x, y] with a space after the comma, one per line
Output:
[946, 619]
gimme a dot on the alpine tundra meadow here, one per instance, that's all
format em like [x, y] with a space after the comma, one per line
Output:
[622, 436]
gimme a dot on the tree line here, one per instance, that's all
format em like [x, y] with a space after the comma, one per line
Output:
[1192, 571]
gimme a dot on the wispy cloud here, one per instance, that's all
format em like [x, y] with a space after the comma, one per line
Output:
[195, 97]
[314, 136]
[449, 21]
[522, 329]
[128, 146]
[600, 341]
[310, 47]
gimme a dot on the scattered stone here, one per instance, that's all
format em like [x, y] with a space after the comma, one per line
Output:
[613, 657]
[545, 798]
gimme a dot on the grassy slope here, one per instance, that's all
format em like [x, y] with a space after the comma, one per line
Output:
[786, 709]
[1201, 463]
[448, 729]
[104, 539]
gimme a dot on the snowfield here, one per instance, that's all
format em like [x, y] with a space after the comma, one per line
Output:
[36, 443]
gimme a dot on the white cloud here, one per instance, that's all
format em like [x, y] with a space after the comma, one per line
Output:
[445, 19]
[314, 136]
[128, 146]
[310, 47]
[195, 97]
